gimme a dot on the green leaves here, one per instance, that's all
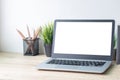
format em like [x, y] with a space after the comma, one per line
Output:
[47, 33]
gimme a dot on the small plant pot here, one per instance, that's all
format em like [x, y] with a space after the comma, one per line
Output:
[48, 49]
[114, 54]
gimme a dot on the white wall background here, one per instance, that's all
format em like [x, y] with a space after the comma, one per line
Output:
[17, 13]
[0, 25]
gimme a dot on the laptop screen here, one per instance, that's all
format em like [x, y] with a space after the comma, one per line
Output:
[83, 37]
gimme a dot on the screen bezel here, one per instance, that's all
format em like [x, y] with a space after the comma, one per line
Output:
[80, 56]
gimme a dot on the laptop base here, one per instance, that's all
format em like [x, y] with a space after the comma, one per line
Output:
[73, 68]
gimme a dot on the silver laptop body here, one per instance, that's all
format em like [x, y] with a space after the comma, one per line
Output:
[81, 42]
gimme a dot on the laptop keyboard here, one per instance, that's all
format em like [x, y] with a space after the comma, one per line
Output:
[76, 63]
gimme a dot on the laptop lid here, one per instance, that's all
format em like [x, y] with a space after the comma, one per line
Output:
[83, 39]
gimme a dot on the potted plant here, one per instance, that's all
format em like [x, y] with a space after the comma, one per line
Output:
[47, 36]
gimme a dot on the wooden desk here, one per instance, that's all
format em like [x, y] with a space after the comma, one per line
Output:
[18, 67]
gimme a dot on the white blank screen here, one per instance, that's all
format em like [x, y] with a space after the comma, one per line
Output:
[87, 38]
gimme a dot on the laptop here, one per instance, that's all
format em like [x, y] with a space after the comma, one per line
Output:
[81, 46]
